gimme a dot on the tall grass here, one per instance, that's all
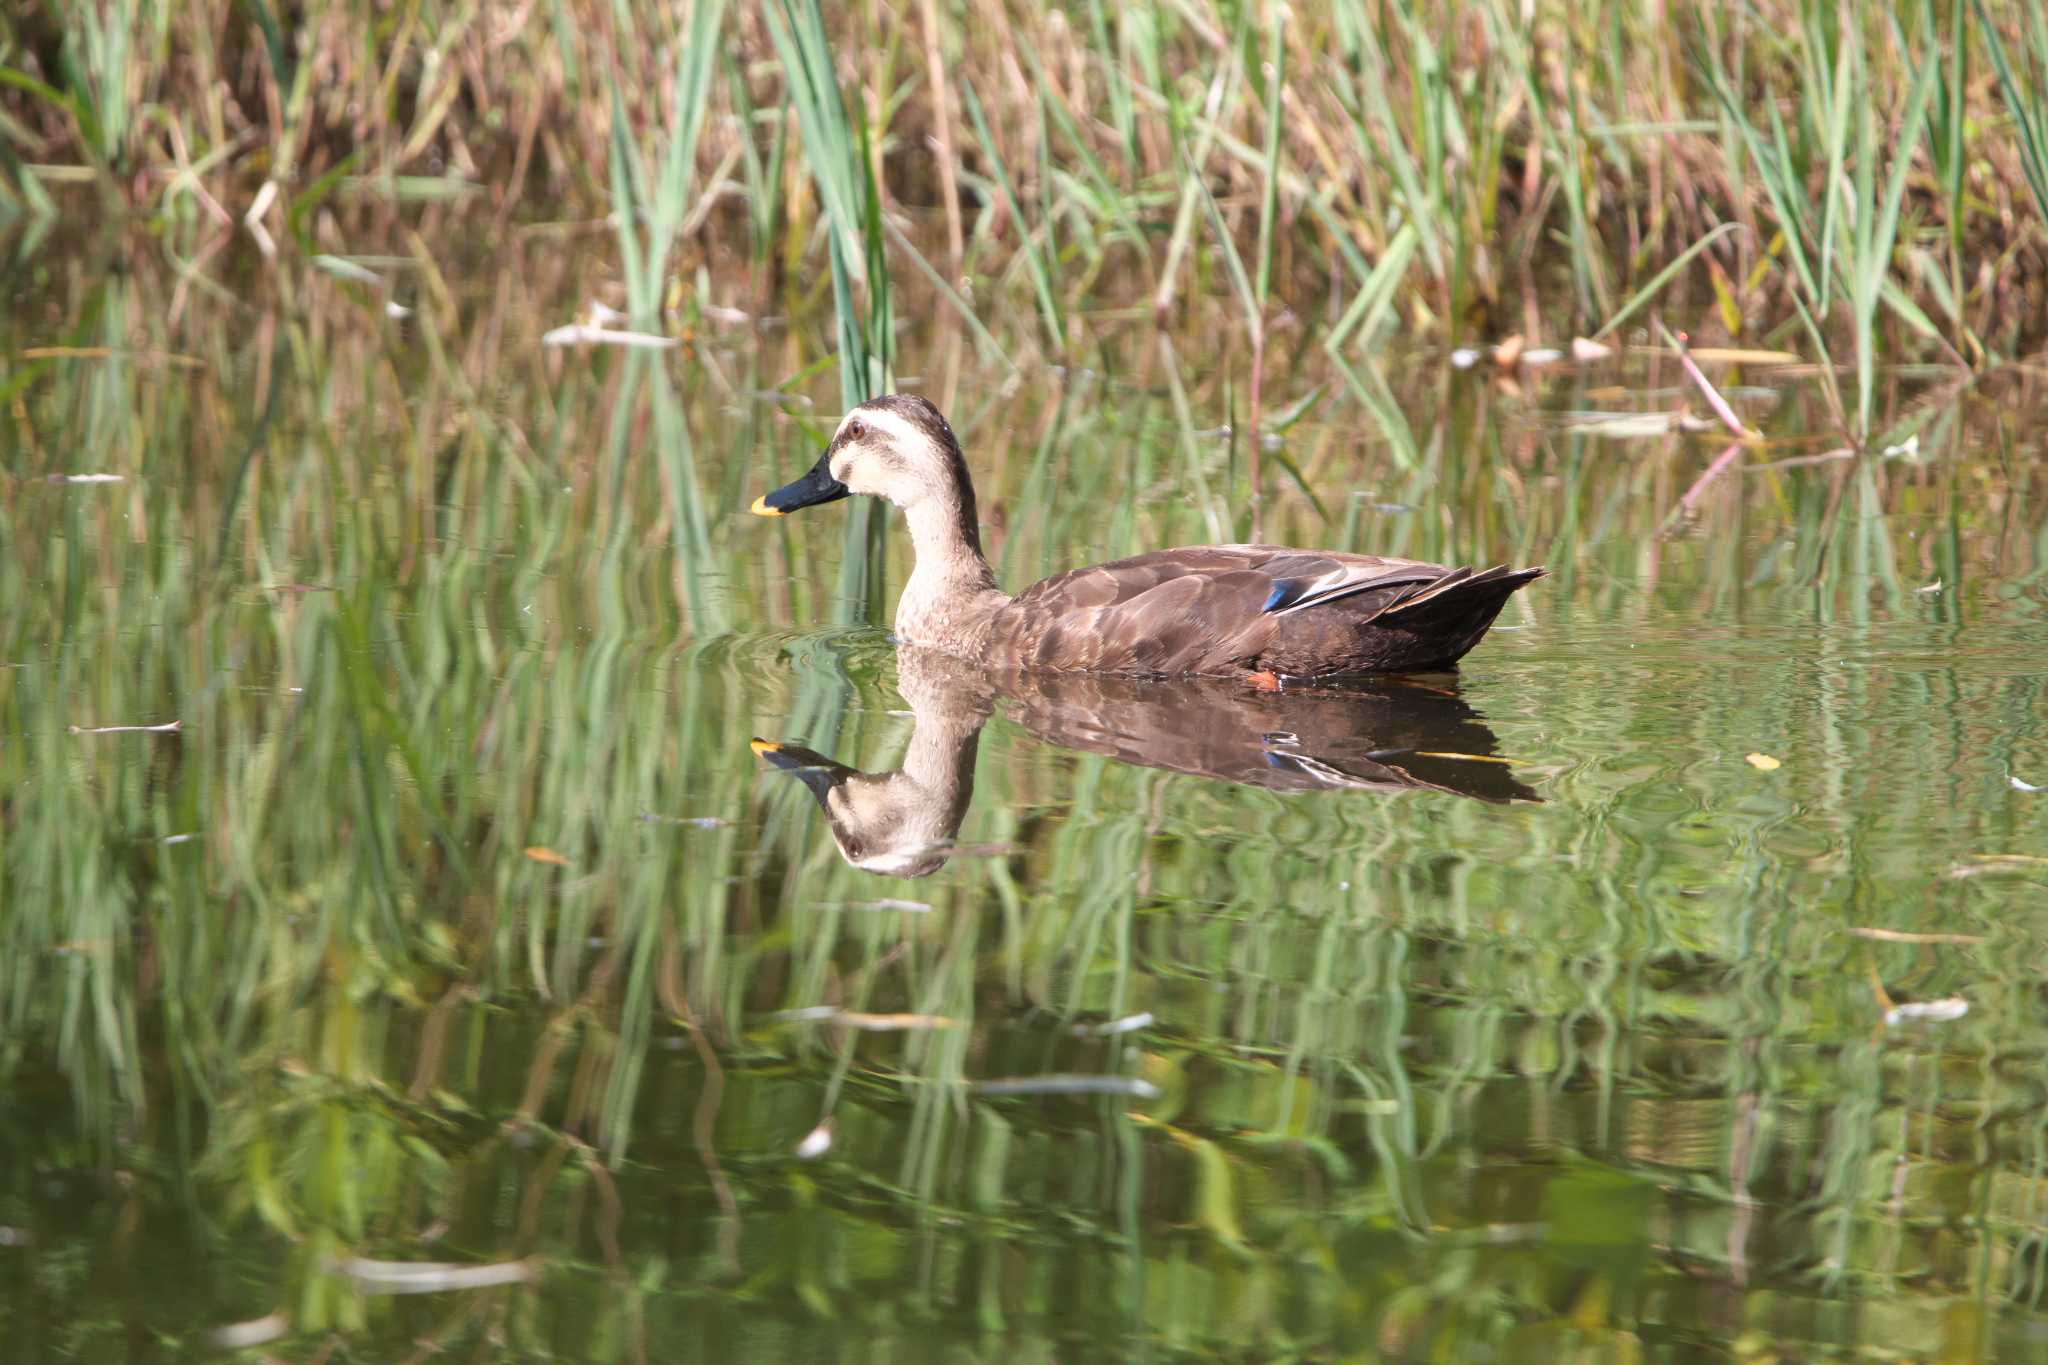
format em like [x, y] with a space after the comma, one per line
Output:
[649, 206]
[843, 171]
[1887, 170]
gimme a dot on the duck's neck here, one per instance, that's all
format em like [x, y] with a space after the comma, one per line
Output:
[952, 592]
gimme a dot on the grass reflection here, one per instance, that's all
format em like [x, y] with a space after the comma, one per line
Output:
[284, 988]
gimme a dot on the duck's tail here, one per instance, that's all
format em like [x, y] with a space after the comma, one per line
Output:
[1459, 596]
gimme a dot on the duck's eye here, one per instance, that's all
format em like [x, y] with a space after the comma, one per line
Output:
[855, 431]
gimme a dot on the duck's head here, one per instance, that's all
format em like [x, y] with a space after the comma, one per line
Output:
[896, 447]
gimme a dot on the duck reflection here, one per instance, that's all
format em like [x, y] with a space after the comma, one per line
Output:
[1380, 734]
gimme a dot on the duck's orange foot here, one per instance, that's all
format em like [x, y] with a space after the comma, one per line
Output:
[1264, 680]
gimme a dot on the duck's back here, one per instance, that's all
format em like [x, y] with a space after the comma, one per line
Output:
[1214, 609]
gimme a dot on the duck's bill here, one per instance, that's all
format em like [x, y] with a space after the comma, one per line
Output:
[813, 488]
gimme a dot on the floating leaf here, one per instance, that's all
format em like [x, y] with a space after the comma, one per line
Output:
[542, 854]
[1762, 762]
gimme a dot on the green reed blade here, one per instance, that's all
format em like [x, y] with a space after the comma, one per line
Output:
[1041, 274]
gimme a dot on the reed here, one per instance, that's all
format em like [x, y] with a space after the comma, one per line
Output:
[1872, 160]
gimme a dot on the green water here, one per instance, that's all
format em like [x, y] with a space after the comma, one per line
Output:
[459, 921]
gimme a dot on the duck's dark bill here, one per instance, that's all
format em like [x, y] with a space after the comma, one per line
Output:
[813, 488]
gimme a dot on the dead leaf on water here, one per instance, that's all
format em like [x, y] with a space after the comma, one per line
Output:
[542, 854]
[1586, 352]
[1763, 763]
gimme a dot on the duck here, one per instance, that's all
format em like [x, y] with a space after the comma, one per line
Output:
[1380, 735]
[1266, 614]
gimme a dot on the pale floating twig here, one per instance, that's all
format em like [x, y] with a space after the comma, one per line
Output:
[804, 1014]
[88, 478]
[238, 1336]
[1931, 590]
[1069, 1084]
[177, 839]
[1927, 1011]
[890, 903]
[1733, 355]
[429, 1277]
[1130, 1023]
[893, 1023]
[2021, 786]
[1586, 352]
[1633, 425]
[1908, 936]
[583, 334]
[871, 1023]
[1997, 862]
[396, 311]
[168, 727]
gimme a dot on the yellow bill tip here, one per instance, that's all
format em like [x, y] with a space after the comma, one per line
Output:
[762, 509]
[762, 746]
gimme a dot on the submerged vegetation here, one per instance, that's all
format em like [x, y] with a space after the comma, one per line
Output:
[391, 900]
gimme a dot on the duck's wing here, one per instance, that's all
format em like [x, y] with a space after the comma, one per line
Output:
[1196, 609]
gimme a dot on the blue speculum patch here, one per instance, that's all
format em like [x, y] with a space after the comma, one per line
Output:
[1285, 593]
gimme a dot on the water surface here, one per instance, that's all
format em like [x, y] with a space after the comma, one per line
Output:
[1576, 1005]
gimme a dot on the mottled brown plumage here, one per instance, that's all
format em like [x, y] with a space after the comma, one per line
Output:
[1201, 609]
